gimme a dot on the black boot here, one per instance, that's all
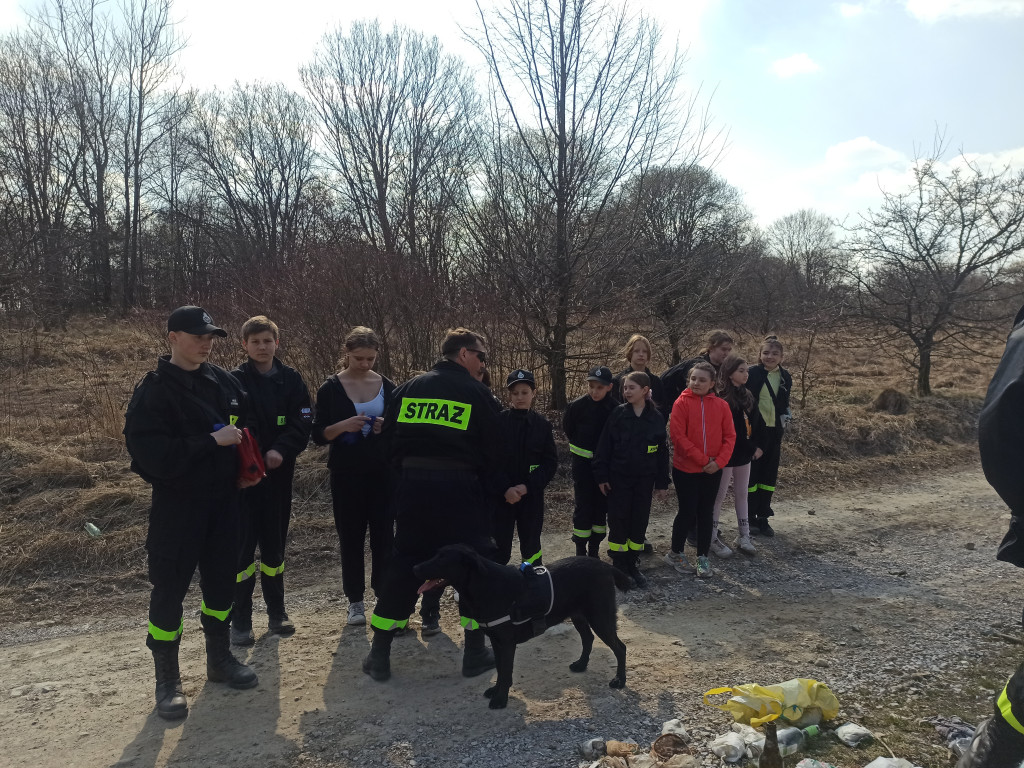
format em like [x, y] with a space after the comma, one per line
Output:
[622, 562]
[477, 658]
[581, 546]
[377, 663]
[997, 743]
[633, 565]
[171, 703]
[594, 546]
[222, 666]
[280, 624]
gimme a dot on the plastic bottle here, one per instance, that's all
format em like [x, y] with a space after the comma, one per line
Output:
[770, 756]
[792, 740]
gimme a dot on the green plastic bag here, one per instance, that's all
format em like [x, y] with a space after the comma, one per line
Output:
[756, 704]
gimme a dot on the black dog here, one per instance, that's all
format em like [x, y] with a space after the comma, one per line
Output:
[583, 590]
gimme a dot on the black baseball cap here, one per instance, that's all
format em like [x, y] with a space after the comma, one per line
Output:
[193, 320]
[520, 375]
[601, 373]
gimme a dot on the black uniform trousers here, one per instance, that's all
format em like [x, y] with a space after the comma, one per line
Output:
[764, 473]
[360, 496]
[213, 550]
[590, 514]
[433, 508]
[696, 493]
[266, 512]
[629, 511]
[526, 516]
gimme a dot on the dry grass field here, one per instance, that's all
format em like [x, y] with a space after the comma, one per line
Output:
[63, 462]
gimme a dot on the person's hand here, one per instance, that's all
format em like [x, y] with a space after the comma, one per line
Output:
[229, 434]
[353, 423]
[605, 487]
[660, 493]
[522, 490]
[273, 459]
[248, 483]
[758, 453]
[711, 467]
[378, 425]
[512, 495]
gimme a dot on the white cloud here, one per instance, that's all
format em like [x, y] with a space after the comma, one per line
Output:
[936, 10]
[849, 10]
[797, 64]
[844, 182]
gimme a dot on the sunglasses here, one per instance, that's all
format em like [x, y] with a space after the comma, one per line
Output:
[480, 354]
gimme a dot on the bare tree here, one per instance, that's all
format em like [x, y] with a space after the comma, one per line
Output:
[398, 118]
[39, 153]
[253, 152]
[582, 100]
[932, 261]
[150, 46]
[694, 237]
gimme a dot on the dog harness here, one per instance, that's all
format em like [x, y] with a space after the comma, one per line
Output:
[535, 602]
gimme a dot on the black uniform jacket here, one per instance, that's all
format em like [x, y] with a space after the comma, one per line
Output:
[633, 445]
[756, 380]
[279, 406]
[584, 420]
[677, 378]
[658, 393]
[333, 405]
[750, 435]
[529, 455]
[167, 431]
[444, 414]
[1001, 440]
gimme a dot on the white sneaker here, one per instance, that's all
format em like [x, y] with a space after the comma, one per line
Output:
[678, 561]
[744, 545]
[719, 548]
[356, 614]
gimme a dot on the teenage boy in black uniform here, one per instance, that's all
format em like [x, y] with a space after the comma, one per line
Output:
[529, 462]
[583, 421]
[180, 429]
[442, 435]
[282, 415]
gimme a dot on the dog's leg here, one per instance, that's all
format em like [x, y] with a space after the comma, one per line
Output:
[587, 637]
[504, 645]
[604, 627]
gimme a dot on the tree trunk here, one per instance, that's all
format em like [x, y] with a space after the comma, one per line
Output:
[924, 371]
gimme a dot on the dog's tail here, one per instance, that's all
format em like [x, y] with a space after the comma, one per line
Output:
[622, 581]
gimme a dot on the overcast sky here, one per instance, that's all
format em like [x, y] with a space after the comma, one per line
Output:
[823, 101]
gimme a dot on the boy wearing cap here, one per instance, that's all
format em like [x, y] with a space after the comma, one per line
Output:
[583, 422]
[529, 461]
[283, 418]
[182, 429]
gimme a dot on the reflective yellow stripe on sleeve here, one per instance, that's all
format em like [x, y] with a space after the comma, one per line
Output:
[1006, 710]
[581, 451]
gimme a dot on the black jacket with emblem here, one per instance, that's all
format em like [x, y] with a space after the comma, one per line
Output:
[280, 410]
[168, 428]
[444, 414]
[633, 445]
[584, 420]
[658, 392]
[530, 456]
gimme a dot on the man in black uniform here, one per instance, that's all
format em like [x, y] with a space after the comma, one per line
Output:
[180, 429]
[442, 435]
[283, 418]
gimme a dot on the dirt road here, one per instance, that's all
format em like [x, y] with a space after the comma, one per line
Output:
[889, 594]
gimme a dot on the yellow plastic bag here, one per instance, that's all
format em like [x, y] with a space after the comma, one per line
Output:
[756, 704]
